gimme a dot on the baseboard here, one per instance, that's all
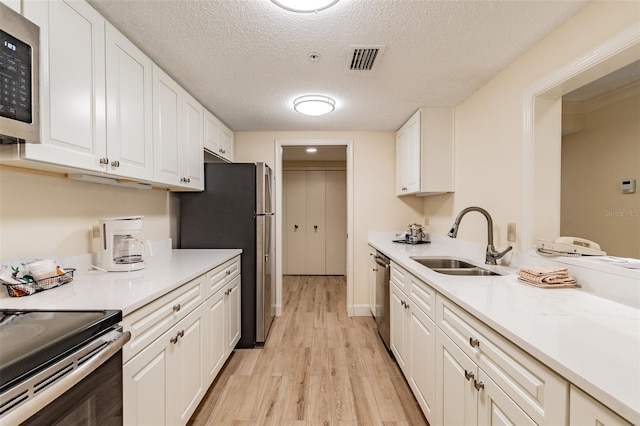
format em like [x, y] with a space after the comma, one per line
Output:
[359, 311]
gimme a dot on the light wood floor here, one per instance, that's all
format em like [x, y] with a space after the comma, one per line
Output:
[318, 367]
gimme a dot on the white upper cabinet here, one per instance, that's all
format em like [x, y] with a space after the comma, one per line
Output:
[129, 108]
[425, 153]
[177, 133]
[193, 163]
[167, 114]
[218, 139]
[72, 84]
[227, 142]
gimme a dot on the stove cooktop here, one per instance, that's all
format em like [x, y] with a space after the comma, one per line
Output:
[31, 340]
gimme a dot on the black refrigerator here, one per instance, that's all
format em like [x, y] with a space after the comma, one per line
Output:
[235, 211]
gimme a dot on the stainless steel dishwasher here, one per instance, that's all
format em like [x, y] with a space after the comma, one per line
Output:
[383, 275]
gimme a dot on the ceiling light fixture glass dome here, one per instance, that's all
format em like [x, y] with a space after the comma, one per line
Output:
[314, 105]
[305, 6]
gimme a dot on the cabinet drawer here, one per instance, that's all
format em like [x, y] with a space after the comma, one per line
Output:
[541, 393]
[152, 320]
[218, 277]
[422, 295]
[399, 276]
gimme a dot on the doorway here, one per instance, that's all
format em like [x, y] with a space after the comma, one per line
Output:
[318, 240]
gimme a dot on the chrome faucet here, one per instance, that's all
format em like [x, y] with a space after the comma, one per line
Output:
[491, 255]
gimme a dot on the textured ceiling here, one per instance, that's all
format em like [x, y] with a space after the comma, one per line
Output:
[246, 60]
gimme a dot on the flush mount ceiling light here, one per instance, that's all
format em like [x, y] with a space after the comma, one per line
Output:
[305, 6]
[314, 105]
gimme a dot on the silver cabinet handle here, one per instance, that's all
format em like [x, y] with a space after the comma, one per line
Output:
[174, 339]
[295, 228]
[315, 228]
[104, 160]
[115, 163]
[474, 342]
[468, 375]
[478, 385]
[176, 307]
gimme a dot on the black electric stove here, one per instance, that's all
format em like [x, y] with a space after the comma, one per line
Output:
[32, 340]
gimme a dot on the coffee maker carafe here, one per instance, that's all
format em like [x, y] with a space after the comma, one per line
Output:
[120, 247]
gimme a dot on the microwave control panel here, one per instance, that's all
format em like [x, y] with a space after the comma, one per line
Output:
[15, 79]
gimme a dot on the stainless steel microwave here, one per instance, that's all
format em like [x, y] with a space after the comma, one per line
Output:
[19, 78]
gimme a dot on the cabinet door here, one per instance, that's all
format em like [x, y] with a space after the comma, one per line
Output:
[186, 384]
[227, 142]
[216, 347]
[422, 352]
[586, 411]
[296, 223]
[408, 157]
[412, 155]
[72, 84]
[212, 133]
[167, 116]
[456, 396]
[233, 313]
[496, 408]
[316, 230]
[193, 160]
[145, 385]
[399, 332]
[129, 108]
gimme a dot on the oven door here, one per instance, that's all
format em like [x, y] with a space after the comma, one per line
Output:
[85, 388]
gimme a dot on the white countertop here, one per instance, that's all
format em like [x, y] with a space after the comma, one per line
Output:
[592, 342]
[125, 291]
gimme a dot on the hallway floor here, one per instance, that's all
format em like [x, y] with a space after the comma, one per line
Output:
[318, 367]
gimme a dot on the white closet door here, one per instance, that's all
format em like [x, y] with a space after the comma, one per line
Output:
[316, 229]
[336, 222]
[295, 225]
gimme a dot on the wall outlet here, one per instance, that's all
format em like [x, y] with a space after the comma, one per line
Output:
[511, 232]
[95, 231]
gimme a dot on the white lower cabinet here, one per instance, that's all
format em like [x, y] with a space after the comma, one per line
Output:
[179, 344]
[413, 338]
[461, 371]
[586, 411]
[163, 384]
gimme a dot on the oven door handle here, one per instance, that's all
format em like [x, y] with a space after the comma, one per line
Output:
[48, 395]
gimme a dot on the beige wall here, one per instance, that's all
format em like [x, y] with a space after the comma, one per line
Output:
[51, 215]
[376, 208]
[594, 161]
[489, 125]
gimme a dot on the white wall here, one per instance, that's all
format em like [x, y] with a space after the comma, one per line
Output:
[376, 208]
[489, 125]
[594, 161]
[43, 214]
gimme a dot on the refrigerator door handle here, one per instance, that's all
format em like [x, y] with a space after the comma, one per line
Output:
[264, 214]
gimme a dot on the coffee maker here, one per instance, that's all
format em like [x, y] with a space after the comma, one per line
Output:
[121, 249]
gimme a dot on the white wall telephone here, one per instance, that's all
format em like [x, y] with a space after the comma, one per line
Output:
[569, 246]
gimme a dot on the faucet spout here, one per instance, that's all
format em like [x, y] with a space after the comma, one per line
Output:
[491, 255]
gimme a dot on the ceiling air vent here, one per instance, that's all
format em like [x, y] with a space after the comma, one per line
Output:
[362, 58]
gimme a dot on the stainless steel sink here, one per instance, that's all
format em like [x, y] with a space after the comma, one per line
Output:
[452, 266]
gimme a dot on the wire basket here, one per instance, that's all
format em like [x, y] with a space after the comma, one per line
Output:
[34, 286]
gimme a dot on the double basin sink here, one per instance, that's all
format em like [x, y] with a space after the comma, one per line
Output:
[452, 266]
